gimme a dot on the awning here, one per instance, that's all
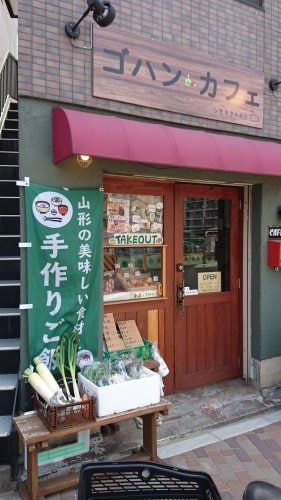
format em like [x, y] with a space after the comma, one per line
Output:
[101, 136]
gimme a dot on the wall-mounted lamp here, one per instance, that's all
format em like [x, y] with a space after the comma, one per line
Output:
[103, 15]
[84, 161]
[274, 84]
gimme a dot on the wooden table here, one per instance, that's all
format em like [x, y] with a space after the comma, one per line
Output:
[36, 436]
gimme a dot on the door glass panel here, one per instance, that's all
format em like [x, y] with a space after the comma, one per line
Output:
[206, 243]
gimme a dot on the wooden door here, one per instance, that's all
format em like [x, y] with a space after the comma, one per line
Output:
[208, 243]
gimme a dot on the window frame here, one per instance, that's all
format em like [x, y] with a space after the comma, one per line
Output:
[257, 4]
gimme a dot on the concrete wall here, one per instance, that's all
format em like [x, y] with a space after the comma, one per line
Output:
[266, 289]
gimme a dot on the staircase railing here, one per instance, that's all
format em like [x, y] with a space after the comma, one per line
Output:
[8, 85]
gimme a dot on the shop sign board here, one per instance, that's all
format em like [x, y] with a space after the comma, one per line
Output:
[209, 282]
[139, 70]
[274, 232]
[64, 273]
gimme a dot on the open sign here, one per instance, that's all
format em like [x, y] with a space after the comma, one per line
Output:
[209, 282]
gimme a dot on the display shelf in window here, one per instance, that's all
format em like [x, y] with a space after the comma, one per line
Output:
[134, 253]
[133, 273]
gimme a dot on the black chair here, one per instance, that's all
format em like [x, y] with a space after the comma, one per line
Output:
[261, 490]
[143, 480]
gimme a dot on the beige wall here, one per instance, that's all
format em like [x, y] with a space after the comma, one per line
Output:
[8, 34]
[51, 67]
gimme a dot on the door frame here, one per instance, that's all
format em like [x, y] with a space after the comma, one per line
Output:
[167, 329]
[234, 295]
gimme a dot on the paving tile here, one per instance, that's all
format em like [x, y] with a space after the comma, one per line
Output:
[242, 455]
[226, 495]
[232, 462]
[200, 453]
[244, 477]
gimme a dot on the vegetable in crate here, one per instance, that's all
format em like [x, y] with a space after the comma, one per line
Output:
[51, 395]
[45, 373]
[98, 372]
[66, 352]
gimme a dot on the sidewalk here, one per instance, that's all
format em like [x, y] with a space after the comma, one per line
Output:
[233, 454]
[229, 430]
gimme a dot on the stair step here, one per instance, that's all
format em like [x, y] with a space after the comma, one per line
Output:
[9, 257]
[10, 215]
[11, 158]
[13, 113]
[9, 206]
[6, 283]
[7, 145]
[10, 133]
[8, 187]
[10, 123]
[9, 326]
[9, 294]
[5, 168]
[9, 344]
[9, 235]
[5, 425]
[10, 268]
[8, 382]
[10, 275]
[9, 244]
[9, 311]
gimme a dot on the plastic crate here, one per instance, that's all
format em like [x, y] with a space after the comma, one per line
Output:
[143, 480]
[58, 416]
[143, 351]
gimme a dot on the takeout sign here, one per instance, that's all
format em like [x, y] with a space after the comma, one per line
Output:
[136, 239]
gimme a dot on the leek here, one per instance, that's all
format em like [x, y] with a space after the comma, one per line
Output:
[60, 355]
[73, 344]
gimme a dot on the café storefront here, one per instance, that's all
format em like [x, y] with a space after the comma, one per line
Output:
[180, 202]
[173, 251]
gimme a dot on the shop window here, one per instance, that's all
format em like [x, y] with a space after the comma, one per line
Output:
[134, 250]
[206, 244]
[254, 3]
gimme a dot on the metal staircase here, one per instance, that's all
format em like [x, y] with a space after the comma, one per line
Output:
[9, 280]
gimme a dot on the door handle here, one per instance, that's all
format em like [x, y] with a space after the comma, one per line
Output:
[180, 294]
[180, 290]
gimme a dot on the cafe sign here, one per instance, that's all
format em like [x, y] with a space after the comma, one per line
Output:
[142, 71]
[274, 232]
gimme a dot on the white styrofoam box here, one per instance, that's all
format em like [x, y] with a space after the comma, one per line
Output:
[124, 396]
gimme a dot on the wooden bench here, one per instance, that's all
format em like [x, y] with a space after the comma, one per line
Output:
[35, 436]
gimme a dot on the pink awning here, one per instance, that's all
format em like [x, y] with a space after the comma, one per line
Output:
[100, 136]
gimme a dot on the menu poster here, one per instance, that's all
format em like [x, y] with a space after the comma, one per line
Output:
[117, 211]
[126, 214]
[130, 333]
[113, 340]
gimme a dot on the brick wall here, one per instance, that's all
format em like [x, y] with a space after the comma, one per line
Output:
[51, 68]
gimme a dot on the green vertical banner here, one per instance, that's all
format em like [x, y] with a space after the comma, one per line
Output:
[64, 273]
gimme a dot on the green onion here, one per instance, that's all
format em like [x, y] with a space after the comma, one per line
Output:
[73, 344]
[60, 356]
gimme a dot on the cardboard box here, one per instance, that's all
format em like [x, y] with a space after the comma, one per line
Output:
[125, 396]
